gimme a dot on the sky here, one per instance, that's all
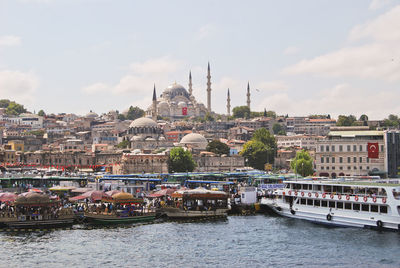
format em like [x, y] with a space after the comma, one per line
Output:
[300, 57]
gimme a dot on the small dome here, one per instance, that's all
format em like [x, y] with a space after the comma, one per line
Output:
[161, 138]
[143, 122]
[136, 138]
[91, 115]
[163, 104]
[194, 139]
[150, 139]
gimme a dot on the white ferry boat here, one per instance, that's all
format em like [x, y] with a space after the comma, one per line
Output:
[371, 204]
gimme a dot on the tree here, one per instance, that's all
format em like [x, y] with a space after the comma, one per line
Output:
[256, 154]
[391, 121]
[123, 144]
[41, 113]
[346, 120]
[4, 103]
[241, 112]
[363, 117]
[180, 160]
[15, 108]
[302, 164]
[271, 114]
[261, 149]
[121, 117]
[278, 129]
[134, 113]
[218, 147]
[209, 117]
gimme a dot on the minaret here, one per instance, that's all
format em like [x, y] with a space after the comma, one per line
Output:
[228, 103]
[190, 84]
[248, 95]
[154, 110]
[208, 89]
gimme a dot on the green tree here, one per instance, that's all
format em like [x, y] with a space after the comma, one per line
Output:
[241, 112]
[123, 144]
[363, 117]
[4, 103]
[209, 117]
[256, 154]
[180, 160]
[15, 108]
[121, 117]
[218, 147]
[302, 164]
[344, 120]
[134, 113]
[271, 114]
[41, 113]
[278, 129]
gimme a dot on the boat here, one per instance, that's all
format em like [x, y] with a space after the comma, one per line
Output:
[351, 203]
[34, 210]
[195, 203]
[123, 208]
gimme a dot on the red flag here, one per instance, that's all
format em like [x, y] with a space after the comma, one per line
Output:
[184, 110]
[373, 150]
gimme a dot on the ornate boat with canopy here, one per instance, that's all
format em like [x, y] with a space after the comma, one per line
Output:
[196, 203]
[123, 208]
[35, 210]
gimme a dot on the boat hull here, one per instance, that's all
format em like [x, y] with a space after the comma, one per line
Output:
[110, 219]
[38, 224]
[176, 213]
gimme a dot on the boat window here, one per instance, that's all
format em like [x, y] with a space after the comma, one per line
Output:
[347, 205]
[317, 188]
[382, 192]
[327, 189]
[360, 190]
[372, 191]
[383, 209]
[296, 186]
[324, 203]
[310, 187]
[347, 190]
[303, 201]
[317, 203]
[337, 189]
[339, 205]
[374, 208]
[331, 204]
[305, 187]
[396, 193]
[309, 202]
[356, 206]
[365, 207]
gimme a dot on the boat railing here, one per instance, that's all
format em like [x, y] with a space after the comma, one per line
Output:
[369, 195]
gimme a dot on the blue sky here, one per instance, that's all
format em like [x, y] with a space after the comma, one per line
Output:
[300, 57]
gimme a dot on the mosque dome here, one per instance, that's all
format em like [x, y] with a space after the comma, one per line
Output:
[195, 140]
[176, 90]
[143, 122]
[91, 114]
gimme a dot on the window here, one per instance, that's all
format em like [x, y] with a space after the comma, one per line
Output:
[360, 159]
[327, 160]
[383, 209]
[381, 148]
[322, 159]
[374, 208]
[317, 203]
[332, 204]
[367, 160]
[333, 167]
[303, 201]
[322, 148]
[367, 167]
[356, 206]
[360, 167]
[324, 203]
[348, 160]
[309, 202]
[327, 148]
[340, 148]
[322, 168]
[333, 160]
[365, 207]
[354, 148]
[327, 168]
[347, 205]
[361, 148]
[355, 159]
[349, 167]
[340, 159]
[354, 167]
[339, 205]
[341, 168]
[333, 148]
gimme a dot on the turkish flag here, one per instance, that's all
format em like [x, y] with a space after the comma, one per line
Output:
[373, 150]
[184, 110]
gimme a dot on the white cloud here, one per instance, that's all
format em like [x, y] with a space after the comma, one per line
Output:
[96, 88]
[341, 99]
[271, 86]
[291, 50]
[205, 31]
[18, 86]
[10, 41]
[378, 57]
[161, 65]
[377, 4]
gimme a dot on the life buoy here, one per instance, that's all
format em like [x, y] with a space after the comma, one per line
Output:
[332, 196]
[356, 198]
[283, 193]
[384, 200]
[339, 196]
[290, 192]
[329, 217]
[365, 198]
[295, 193]
[379, 224]
[347, 197]
[324, 195]
[302, 193]
[374, 199]
[316, 194]
[309, 194]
